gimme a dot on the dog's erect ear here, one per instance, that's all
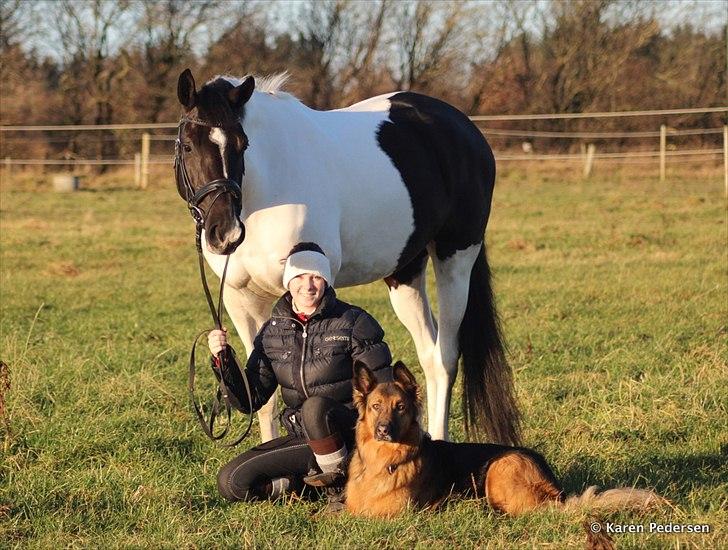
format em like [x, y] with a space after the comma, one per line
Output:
[364, 379]
[406, 380]
[186, 92]
[364, 383]
[404, 377]
[239, 95]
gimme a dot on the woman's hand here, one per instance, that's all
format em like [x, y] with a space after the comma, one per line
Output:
[217, 340]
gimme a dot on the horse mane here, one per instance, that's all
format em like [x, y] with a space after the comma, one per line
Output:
[271, 84]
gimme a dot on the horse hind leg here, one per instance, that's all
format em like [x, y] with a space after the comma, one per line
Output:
[468, 307]
[408, 295]
[452, 276]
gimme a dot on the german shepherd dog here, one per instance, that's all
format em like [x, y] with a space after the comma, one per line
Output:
[396, 464]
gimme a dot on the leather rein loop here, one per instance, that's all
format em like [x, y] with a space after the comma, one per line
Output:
[220, 402]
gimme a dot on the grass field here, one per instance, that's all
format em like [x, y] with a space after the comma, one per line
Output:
[614, 302]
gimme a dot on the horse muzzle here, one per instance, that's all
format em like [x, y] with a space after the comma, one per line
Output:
[224, 240]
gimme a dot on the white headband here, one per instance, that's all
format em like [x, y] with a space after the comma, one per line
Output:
[306, 261]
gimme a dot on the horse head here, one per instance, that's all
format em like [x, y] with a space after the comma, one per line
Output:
[209, 164]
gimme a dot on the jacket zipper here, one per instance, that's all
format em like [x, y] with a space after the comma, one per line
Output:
[303, 357]
[303, 352]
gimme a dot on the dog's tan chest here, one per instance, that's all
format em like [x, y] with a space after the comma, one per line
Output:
[375, 489]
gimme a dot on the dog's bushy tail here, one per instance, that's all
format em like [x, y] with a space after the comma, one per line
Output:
[621, 498]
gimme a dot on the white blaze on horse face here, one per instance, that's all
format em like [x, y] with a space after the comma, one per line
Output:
[218, 137]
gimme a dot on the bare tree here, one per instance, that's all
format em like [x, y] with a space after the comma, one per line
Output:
[26, 96]
[248, 47]
[319, 29]
[363, 41]
[172, 30]
[16, 22]
[87, 38]
[429, 40]
[584, 52]
[118, 60]
[495, 26]
[336, 47]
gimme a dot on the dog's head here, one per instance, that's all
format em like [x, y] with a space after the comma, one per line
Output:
[388, 410]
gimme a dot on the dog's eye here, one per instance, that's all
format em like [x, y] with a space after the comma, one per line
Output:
[400, 406]
[376, 406]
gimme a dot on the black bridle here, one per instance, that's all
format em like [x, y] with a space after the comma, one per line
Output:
[219, 187]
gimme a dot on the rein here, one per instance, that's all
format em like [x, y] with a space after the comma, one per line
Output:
[194, 198]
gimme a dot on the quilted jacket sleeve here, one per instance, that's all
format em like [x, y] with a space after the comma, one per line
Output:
[368, 345]
[260, 376]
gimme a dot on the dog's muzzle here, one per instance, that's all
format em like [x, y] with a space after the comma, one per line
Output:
[383, 432]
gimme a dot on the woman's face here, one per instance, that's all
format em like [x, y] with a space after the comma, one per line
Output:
[307, 290]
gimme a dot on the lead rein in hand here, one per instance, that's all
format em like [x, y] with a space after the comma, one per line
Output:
[223, 359]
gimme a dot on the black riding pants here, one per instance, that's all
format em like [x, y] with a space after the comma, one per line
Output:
[250, 476]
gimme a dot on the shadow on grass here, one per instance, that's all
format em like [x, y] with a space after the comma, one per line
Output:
[181, 449]
[674, 477]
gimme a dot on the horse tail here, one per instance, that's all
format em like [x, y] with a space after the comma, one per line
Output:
[489, 399]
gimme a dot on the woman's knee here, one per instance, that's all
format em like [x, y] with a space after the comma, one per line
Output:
[233, 485]
[315, 416]
[224, 484]
[315, 406]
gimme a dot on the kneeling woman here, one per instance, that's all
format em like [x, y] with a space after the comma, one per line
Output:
[308, 348]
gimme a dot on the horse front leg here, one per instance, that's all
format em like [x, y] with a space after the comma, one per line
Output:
[248, 312]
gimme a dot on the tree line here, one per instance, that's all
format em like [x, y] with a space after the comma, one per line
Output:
[117, 61]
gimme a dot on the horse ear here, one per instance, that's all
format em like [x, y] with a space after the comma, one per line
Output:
[186, 92]
[404, 377]
[240, 95]
[364, 379]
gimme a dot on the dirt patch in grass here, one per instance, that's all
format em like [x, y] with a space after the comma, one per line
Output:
[63, 269]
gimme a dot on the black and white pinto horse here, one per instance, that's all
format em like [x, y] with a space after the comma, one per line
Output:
[381, 186]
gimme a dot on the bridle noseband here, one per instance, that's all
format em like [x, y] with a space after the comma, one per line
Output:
[219, 186]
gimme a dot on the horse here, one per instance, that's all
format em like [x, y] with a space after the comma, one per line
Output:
[383, 187]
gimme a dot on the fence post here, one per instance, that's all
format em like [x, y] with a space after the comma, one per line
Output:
[8, 166]
[725, 158]
[138, 169]
[145, 160]
[589, 161]
[663, 146]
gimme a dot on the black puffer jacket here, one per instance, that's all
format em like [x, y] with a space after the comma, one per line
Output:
[312, 359]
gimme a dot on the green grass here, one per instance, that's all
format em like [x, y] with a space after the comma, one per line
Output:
[613, 298]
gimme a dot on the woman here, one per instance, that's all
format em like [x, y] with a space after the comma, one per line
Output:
[308, 348]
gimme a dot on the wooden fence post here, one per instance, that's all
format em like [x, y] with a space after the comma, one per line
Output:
[8, 166]
[663, 146]
[145, 160]
[138, 169]
[589, 161]
[725, 158]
